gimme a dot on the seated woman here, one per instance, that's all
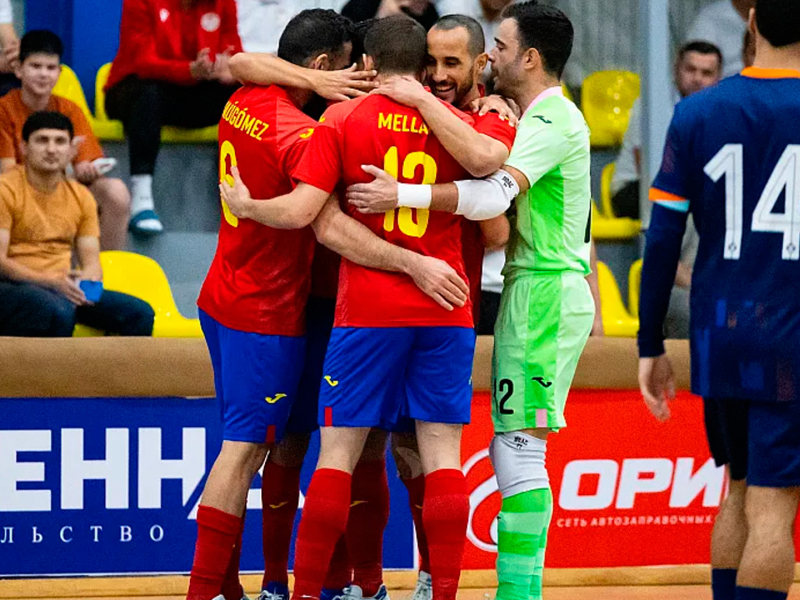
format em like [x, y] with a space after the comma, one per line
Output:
[171, 69]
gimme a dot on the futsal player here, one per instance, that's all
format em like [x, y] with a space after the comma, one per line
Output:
[732, 160]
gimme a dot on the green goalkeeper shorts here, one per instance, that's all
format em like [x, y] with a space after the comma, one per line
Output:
[541, 330]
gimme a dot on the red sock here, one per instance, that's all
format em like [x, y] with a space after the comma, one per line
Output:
[416, 496]
[324, 521]
[280, 492]
[445, 513]
[369, 514]
[339, 573]
[231, 586]
[217, 537]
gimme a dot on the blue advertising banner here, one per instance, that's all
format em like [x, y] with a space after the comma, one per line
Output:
[111, 486]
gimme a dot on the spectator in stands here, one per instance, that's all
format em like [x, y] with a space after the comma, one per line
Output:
[422, 11]
[9, 49]
[698, 66]
[43, 216]
[489, 13]
[261, 22]
[39, 69]
[724, 24]
[171, 69]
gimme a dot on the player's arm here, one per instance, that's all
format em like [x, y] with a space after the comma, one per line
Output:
[290, 211]
[357, 243]
[268, 69]
[495, 232]
[594, 286]
[474, 199]
[478, 153]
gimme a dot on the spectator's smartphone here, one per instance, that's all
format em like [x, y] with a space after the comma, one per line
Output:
[92, 289]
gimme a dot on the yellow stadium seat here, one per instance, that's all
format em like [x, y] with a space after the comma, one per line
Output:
[616, 320]
[605, 190]
[567, 93]
[607, 99]
[69, 86]
[142, 277]
[104, 128]
[107, 129]
[634, 287]
[622, 228]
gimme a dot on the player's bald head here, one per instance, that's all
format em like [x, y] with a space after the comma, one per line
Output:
[398, 45]
[778, 21]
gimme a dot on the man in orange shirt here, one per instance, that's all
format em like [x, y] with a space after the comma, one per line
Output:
[39, 69]
[43, 216]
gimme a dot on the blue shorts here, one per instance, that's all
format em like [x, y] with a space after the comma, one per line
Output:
[256, 378]
[758, 441]
[374, 376]
[320, 313]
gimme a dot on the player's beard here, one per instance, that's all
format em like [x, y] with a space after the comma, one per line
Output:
[461, 91]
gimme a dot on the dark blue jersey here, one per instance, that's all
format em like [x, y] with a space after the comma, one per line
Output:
[732, 160]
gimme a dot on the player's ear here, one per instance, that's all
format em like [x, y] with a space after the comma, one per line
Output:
[369, 63]
[531, 59]
[321, 63]
[481, 62]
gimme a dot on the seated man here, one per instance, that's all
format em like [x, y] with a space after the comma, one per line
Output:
[9, 42]
[171, 69]
[39, 69]
[43, 216]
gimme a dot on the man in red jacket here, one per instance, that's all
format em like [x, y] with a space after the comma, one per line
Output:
[171, 69]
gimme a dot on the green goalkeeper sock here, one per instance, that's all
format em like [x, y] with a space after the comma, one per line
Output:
[522, 536]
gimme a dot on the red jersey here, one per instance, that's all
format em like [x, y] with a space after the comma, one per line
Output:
[260, 277]
[472, 237]
[159, 38]
[374, 130]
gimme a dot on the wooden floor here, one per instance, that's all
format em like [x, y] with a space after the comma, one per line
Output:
[588, 593]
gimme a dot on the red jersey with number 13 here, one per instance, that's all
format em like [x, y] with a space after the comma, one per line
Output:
[375, 130]
[260, 277]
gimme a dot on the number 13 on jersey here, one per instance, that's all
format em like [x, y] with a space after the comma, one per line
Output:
[405, 216]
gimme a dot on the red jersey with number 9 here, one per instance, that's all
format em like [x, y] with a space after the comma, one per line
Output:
[260, 277]
[375, 130]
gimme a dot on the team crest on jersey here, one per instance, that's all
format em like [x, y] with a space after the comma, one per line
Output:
[163, 14]
[210, 22]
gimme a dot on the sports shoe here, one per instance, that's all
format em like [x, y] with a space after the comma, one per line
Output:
[424, 589]
[274, 591]
[354, 592]
[221, 597]
[333, 594]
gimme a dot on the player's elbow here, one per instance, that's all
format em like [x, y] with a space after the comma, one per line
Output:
[486, 159]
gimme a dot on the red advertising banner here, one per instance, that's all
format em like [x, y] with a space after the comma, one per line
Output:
[628, 491]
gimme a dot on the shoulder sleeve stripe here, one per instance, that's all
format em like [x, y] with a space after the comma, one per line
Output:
[657, 195]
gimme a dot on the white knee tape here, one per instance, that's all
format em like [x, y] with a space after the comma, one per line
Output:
[518, 460]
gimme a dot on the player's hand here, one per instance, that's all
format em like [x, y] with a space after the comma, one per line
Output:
[657, 383]
[86, 172]
[237, 197]
[404, 90]
[202, 68]
[597, 326]
[439, 280]
[343, 85]
[68, 287]
[378, 196]
[506, 108]
[222, 70]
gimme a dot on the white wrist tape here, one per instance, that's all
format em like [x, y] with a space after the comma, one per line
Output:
[414, 196]
[482, 199]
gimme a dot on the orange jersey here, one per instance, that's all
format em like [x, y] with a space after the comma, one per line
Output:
[375, 130]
